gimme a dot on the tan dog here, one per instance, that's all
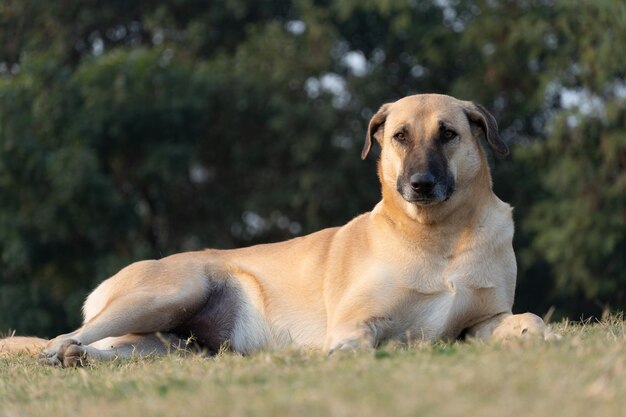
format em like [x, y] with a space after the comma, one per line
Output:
[433, 259]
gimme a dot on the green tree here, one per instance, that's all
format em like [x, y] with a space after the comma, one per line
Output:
[566, 103]
[136, 133]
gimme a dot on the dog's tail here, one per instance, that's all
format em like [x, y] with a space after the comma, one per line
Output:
[20, 344]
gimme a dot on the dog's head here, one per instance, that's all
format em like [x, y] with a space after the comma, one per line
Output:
[430, 146]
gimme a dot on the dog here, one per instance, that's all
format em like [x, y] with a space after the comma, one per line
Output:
[433, 260]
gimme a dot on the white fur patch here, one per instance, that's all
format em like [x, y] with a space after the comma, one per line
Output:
[96, 301]
[250, 332]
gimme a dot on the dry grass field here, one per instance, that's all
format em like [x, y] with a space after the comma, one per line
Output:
[584, 374]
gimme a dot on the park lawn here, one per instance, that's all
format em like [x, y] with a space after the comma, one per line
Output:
[583, 374]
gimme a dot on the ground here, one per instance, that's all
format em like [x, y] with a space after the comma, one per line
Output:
[583, 374]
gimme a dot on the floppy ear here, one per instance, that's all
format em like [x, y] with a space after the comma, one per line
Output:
[479, 115]
[374, 129]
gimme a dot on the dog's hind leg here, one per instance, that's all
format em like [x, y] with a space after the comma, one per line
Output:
[112, 348]
[145, 297]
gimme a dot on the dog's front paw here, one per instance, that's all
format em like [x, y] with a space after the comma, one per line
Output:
[351, 337]
[350, 344]
[525, 325]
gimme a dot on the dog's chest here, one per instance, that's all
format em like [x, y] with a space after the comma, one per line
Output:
[439, 300]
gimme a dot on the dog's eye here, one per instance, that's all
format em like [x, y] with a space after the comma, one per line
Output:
[400, 137]
[449, 134]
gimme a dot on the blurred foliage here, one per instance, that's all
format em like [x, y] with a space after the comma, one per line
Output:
[132, 130]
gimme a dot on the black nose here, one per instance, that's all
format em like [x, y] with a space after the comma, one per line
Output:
[422, 182]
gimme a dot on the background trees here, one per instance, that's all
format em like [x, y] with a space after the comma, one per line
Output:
[133, 130]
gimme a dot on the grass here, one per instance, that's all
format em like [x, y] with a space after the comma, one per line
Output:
[584, 374]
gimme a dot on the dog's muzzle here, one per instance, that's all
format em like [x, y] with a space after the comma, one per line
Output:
[425, 188]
